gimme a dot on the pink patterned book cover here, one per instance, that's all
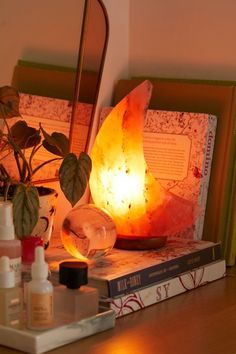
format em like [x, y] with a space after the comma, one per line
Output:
[166, 289]
[178, 148]
[54, 115]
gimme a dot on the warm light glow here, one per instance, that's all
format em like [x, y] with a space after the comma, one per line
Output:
[71, 248]
[126, 184]
[88, 232]
[123, 185]
[121, 182]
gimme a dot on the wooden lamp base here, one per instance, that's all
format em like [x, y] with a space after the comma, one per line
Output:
[139, 243]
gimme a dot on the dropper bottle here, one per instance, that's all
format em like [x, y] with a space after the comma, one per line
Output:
[9, 245]
[39, 303]
[10, 296]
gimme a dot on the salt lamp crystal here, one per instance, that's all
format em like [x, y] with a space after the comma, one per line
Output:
[121, 182]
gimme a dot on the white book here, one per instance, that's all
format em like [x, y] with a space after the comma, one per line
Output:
[165, 289]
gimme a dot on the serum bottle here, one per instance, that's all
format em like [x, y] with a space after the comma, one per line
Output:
[9, 245]
[75, 301]
[39, 300]
[10, 296]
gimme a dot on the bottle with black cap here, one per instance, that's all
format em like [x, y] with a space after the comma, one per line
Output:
[74, 300]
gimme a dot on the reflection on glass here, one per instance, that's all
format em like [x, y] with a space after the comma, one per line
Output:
[40, 53]
[93, 45]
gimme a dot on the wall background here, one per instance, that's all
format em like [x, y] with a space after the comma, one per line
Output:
[183, 39]
[41, 31]
[171, 38]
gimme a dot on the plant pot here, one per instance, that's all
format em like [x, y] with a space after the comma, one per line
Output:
[47, 201]
[47, 209]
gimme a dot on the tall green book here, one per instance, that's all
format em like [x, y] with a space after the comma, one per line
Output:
[217, 98]
[53, 81]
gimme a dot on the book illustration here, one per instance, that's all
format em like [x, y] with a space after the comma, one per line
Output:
[45, 107]
[55, 115]
[178, 149]
[164, 290]
[129, 303]
[192, 279]
[121, 262]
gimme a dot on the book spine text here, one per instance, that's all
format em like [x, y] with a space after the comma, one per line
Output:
[164, 290]
[150, 275]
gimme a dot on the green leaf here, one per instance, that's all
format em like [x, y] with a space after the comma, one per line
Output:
[9, 102]
[74, 175]
[57, 143]
[24, 136]
[25, 209]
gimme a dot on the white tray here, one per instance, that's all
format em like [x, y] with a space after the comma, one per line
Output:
[36, 342]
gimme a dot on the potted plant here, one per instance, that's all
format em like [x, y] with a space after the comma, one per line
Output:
[15, 139]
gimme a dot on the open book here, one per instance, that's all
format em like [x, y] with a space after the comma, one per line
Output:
[178, 148]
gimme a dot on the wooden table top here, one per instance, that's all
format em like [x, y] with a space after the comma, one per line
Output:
[202, 321]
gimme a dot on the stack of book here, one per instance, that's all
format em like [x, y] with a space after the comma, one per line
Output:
[132, 280]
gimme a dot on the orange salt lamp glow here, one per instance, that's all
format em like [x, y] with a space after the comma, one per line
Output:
[120, 180]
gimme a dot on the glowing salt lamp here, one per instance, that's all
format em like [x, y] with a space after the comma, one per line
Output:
[120, 182]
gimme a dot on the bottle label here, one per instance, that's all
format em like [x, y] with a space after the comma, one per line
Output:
[14, 312]
[15, 264]
[41, 310]
[11, 312]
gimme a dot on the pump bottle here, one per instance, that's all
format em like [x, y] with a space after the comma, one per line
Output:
[10, 296]
[9, 245]
[39, 300]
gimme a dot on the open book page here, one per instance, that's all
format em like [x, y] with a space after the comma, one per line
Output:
[178, 148]
[54, 115]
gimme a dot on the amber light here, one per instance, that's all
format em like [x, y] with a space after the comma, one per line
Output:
[120, 180]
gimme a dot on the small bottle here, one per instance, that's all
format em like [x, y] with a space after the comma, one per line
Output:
[76, 301]
[39, 300]
[9, 245]
[10, 296]
[28, 244]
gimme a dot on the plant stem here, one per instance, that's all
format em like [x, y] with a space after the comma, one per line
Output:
[4, 172]
[8, 129]
[18, 153]
[6, 189]
[33, 152]
[3, 157]
[44, 163]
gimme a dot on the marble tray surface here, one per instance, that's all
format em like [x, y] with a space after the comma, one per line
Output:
[36, 342]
